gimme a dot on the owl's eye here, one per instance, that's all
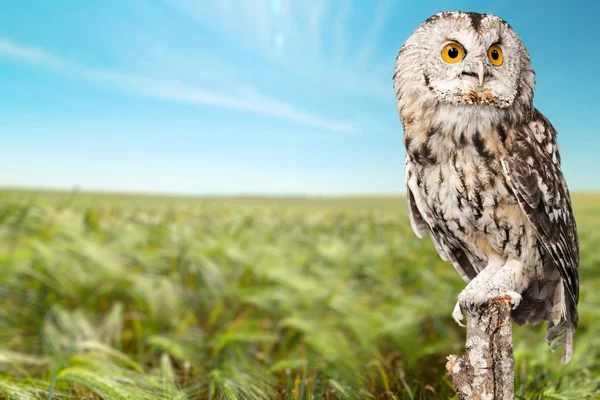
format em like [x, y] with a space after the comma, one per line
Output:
[495, 55]
[453, 53]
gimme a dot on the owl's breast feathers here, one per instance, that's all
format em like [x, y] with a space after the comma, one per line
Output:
[458, 193]
[493, 187]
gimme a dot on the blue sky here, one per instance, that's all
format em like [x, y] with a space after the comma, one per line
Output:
[251, 96]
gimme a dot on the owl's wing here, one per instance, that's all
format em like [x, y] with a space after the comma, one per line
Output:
[446, 245]
[532, 169]
[417, 223]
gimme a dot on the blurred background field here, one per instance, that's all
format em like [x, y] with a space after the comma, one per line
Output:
[141, 297]
[112, 296]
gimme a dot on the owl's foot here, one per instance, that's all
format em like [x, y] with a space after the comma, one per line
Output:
[477, 284]
[471, 301]
[497, 282]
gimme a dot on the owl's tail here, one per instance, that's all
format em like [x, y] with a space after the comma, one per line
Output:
[549, 301]
[562, 322]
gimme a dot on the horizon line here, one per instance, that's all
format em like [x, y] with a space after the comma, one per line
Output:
[158, 193]
[239, 195]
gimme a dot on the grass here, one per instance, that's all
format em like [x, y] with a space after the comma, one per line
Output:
[138, 297]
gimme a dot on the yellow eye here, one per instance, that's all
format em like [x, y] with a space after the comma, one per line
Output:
[495, 55]
[453, 53]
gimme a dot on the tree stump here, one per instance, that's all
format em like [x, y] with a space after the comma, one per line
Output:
[486, 370]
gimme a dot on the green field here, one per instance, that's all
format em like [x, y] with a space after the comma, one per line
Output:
[139, 297]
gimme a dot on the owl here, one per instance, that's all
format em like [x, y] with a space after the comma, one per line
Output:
[483, 170]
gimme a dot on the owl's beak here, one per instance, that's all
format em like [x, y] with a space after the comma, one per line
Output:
[480, 72]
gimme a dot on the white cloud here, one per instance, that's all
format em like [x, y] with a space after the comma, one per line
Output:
[340, 44]
[365, 54]
[255, 25]
[14, 51]
[246, 99]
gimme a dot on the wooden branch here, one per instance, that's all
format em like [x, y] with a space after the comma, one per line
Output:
[486, 370]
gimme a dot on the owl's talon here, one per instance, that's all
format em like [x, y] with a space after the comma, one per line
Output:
[515, 299]
[466, 301]
[458, 315]
[471, 308]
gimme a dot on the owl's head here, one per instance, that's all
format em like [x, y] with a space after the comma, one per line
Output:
[466, 59]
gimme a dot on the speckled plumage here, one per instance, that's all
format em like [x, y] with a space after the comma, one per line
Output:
[483, 171]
